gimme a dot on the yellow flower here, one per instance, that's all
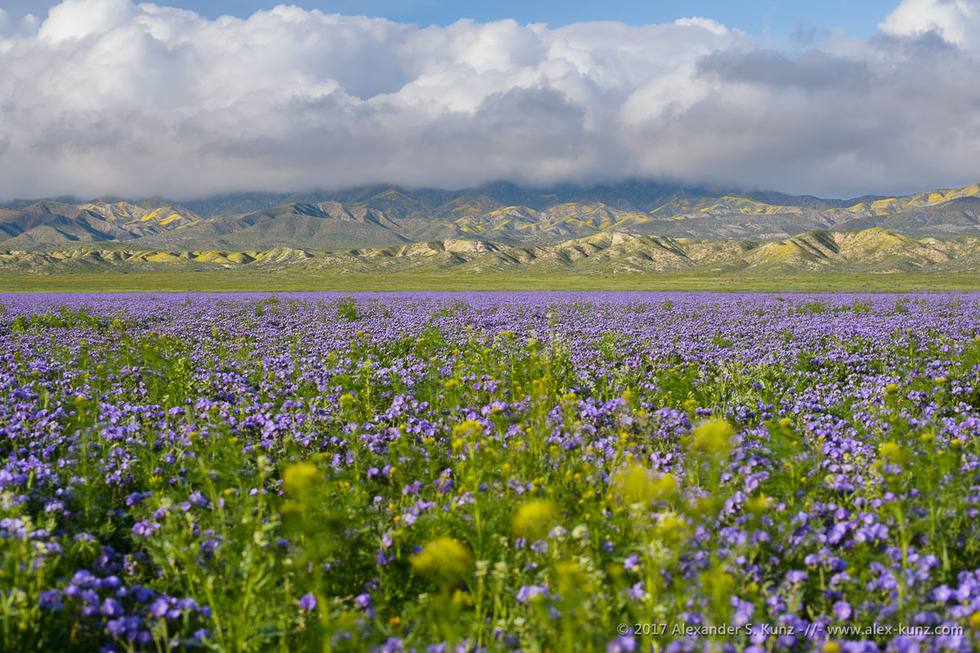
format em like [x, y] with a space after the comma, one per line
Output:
[297, 480]
[703, 505]
[443, 560]
[892, 452]
[468, 428]
[535, 518]
[634, 485]
[462, 598]
[713, 436]
[758, 504]
[672, 528]
[571, 577]
[974, 621]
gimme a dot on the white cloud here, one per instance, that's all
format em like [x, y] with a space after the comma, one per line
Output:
[705, 23]
[957, 21]
[107, 96]
[76, 19]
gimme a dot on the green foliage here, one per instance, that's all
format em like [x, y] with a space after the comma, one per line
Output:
[262, 504]
[66, 317]
[347, 309]
[520, 280]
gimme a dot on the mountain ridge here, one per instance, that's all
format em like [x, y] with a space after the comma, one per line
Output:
[499, 212]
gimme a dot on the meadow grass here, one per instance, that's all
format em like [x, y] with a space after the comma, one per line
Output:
[240, 281]
[544, 472]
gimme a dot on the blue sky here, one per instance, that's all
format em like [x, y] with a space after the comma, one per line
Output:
[777, 20]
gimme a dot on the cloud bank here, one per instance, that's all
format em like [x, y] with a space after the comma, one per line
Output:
[108, 96]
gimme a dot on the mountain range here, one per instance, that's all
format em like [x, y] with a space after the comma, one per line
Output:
[501, 213]
[630, 227]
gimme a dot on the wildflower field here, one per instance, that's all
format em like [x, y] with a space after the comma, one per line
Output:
[443, 472]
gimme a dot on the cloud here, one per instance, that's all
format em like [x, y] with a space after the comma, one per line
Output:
[956, 21]
[76, 19]
[812, 70]
[107, 96]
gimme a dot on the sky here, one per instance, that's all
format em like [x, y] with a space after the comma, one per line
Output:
[772, 20]
[192, 98]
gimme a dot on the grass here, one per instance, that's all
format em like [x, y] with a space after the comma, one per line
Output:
[238, 281]
[381, 474]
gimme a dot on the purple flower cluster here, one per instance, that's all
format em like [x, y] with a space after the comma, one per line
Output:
[802, 469]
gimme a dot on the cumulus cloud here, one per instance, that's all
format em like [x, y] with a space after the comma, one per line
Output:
[108, 96]
[76, 19]
[956, 21]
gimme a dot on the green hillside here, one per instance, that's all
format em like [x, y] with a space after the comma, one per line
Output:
[501, 213]
[873, 251]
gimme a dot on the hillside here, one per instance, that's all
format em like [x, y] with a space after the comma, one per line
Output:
[873, 250]
[499, 213]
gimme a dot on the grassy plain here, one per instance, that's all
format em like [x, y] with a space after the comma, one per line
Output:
[240, 281]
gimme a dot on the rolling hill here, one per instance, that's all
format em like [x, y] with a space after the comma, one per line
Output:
[500, 227]
[873, 250]
[500, 213]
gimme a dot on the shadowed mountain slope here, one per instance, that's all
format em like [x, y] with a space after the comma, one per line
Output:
[502, 213]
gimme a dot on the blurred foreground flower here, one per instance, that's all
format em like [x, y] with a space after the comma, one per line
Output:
[713, 436]
[635, 485]
[444, 560]
[298, 480]
[535, 518]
